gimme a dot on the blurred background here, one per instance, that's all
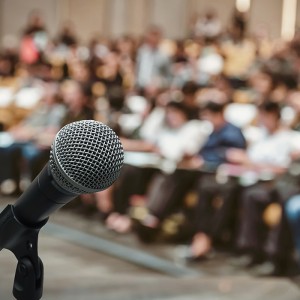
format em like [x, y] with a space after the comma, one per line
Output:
[205, 98]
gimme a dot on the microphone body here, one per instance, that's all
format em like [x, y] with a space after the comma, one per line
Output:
[43, 197]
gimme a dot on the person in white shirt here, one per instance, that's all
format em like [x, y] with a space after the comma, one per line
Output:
[208, 26]
[168, 135]
[271, 154]
[30, 140]
[153, 68]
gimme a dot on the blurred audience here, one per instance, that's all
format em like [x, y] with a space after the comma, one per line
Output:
[168, 191]
[228, 171]
[261, 158]
[165, 126]
[33, 136]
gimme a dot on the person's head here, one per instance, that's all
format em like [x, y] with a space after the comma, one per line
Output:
[41, 69]
[210, 14]
[7, 67]
[75, 96]
[289, 79]
[153, 36]
[35, 19]
[112, 59]
[80, 72]
[67, 34]
[294, 101]
[189, 91]
[125, 45]
[190, 88]
[270, 115]
[238, 25]
[176, 114]
[263, 82]
[50, 94]
[68, 28]
[213, 112]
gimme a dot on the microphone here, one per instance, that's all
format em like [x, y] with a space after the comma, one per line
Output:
[85, 157]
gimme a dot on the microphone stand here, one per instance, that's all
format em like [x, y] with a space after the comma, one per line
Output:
[23, 242]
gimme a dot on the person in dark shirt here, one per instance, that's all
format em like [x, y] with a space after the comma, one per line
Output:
[216, 201]
[168, 191]
[215, 149]
[189, 92]
[224, 136]
[67, 35]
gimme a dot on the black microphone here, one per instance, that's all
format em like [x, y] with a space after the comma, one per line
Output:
[85, 157]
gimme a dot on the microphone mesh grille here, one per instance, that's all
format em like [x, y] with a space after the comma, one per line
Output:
[86, 157]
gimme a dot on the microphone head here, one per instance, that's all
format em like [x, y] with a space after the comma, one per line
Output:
[86, 157]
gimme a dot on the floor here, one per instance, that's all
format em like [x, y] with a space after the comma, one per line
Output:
[74, 270]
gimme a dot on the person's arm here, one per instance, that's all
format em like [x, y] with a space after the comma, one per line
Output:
[241, 158]
[232, 139]
[137, 145]
[191, 162]
[23, 132]
[46, 136]
[237, 156]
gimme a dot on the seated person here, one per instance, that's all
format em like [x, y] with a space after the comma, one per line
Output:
[173, 136]
[269, 156]
[34, 135]
[77, 98]
[170, 190]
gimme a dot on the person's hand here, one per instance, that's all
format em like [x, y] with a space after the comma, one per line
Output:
[137, 145]
[295, 155]
[45, 138]
[151, 90]
[191, 163]
[104, 200]
[23, 134]
[237, 156]
[87, 199]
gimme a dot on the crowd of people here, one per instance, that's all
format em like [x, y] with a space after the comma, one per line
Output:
[209, 124]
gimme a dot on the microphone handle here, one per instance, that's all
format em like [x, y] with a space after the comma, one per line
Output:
[42, 197]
